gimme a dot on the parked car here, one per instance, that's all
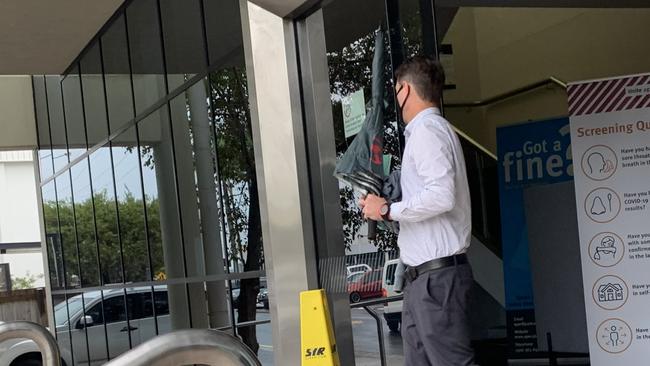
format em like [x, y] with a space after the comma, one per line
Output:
[365, 287]
[358, 268]
[392, 310]
[141, 326]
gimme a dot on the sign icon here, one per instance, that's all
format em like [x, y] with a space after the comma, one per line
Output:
[602, 205]
[610, 292]
[599, 162]
[606, 249]
[614, 336]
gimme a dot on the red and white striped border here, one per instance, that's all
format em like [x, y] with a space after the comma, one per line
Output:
[602, 96]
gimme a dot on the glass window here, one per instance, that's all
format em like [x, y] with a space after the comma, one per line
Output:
[114, 309]
[136, 302]
[350, 47]
[183, 37]
[130, 207]
[236, 162]
[97, 313]
[85, 224]
[43, 127]
[57, 123]
[74, 116]
[52, 237]
[157, 165]
[67, 233]
[145, 46]
[92, 83]
[117, 75]
[110, 251]
[162, 303]
[224, 32]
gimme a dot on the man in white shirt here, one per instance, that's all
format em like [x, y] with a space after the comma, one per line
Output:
[435, 224]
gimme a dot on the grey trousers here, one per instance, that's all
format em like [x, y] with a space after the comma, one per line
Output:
[435, 318]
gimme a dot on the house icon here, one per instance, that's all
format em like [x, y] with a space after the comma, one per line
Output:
[610, 292]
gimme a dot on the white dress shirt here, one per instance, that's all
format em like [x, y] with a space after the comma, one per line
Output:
[434, 214]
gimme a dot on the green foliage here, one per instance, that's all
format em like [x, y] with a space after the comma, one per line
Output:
[23, 283]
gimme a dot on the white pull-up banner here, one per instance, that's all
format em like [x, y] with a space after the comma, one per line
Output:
[610, 138]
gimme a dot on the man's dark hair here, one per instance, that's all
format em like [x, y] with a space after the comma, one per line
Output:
[425, 74]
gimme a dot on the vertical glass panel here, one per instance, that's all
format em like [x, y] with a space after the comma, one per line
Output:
[52, 237]
[145, 44]
[74, 116]
[85, 223]
[57, 123]
[86, 328]
[163, 214]
[223, 30]
[350, 31]
[43, 126]
[191, 131]
[68, 232]
[121, 332]
[64, 309]
[117, 74]
[130, 207]
[92, 82]
[184, 39]
[157, 161]
[229, 100]
[106, 216]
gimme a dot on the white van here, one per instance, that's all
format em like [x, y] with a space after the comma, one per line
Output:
[141, 327]
[392, 310]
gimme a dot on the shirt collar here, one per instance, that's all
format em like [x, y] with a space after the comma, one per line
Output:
[419, 117]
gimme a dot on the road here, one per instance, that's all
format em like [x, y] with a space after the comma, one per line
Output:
[366, 345]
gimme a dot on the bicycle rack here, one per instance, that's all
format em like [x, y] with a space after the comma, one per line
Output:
[41, 336]
[187, 347]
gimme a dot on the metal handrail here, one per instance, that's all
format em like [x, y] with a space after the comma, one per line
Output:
[366, 305]
[37, 333]
[187, 347]
[497, 98]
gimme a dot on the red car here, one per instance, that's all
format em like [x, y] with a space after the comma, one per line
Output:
[366, 286]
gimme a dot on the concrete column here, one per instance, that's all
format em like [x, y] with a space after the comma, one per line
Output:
[210, 223]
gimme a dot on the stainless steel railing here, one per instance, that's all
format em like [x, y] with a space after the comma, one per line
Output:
[37, 333]
[187, 347]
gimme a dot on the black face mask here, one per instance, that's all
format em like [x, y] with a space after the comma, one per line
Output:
[401, 106]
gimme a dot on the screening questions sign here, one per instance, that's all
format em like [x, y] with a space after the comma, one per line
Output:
[610, 135]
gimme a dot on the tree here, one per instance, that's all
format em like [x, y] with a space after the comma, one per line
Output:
[26, 282]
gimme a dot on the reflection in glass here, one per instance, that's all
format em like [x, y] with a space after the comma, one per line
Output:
[106, 216]
[92, 83]
[74, 117]
[350, 50]
[67, 233]
[156, 157]
[223, 32]
[52, 237]
[85, 224]
[57, 123]
[239, 199]
[183, 38]
[130, 208]
[145, 45]
[117, 75]
[163, 214]
[43, 127]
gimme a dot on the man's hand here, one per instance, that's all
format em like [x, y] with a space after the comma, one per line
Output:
[371, 205]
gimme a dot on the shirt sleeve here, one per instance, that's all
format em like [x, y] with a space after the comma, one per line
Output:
[433, 156]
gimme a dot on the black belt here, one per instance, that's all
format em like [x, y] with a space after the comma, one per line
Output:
[412, 273]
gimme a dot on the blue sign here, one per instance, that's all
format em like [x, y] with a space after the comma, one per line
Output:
[530, 154]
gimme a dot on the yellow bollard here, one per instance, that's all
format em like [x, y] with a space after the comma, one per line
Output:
[316, 334]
